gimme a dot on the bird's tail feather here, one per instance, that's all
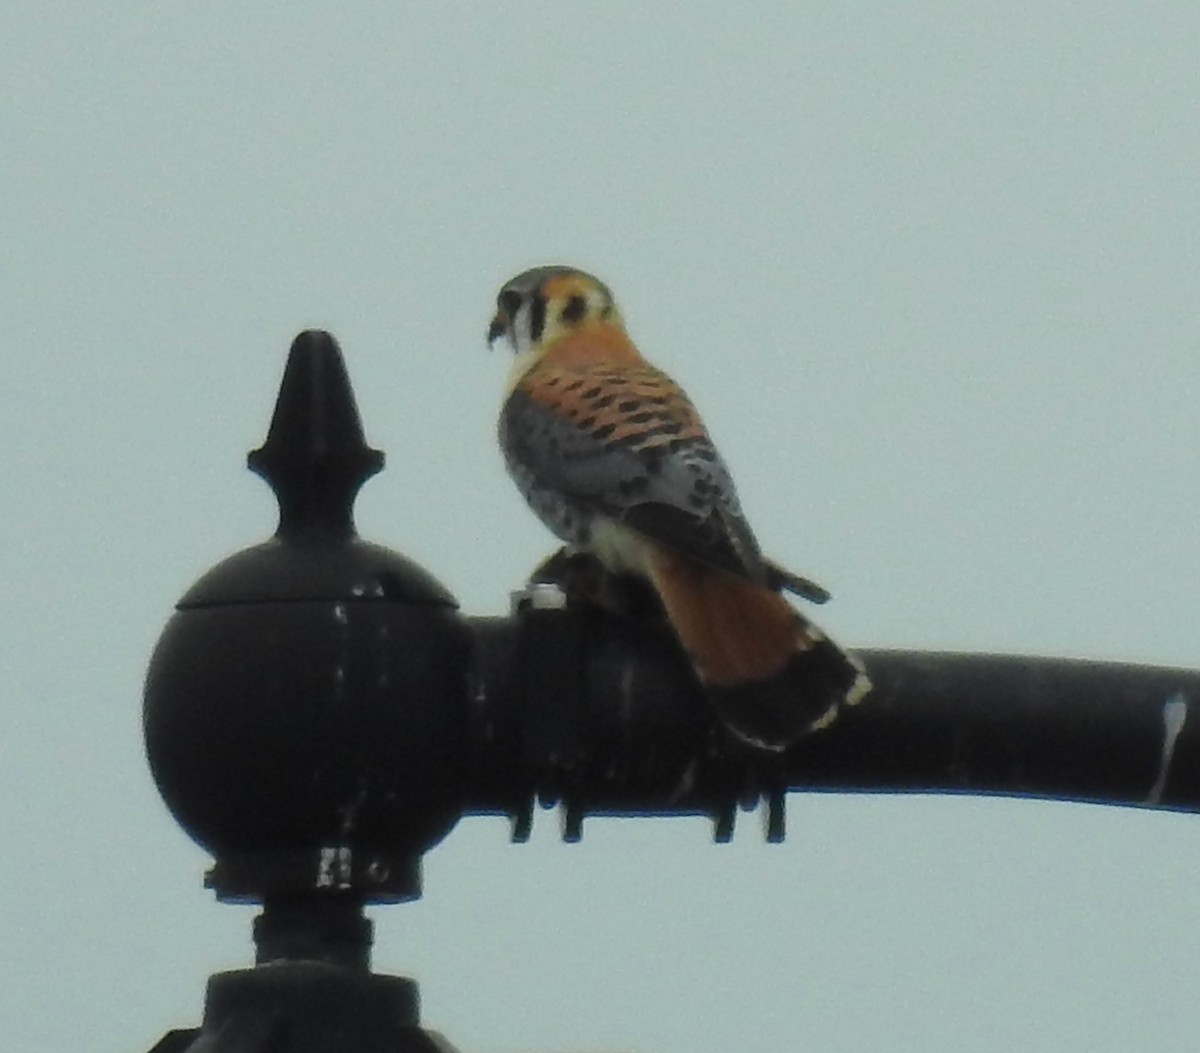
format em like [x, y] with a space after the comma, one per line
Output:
[772, 676]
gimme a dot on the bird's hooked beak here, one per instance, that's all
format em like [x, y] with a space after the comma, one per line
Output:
[498, 328]
[509, 307]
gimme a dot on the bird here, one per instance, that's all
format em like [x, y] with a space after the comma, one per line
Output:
[614, 458]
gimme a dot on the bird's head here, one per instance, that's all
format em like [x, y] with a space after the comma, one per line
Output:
[540, 306]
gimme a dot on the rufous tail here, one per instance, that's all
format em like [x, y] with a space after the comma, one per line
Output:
[771, 675]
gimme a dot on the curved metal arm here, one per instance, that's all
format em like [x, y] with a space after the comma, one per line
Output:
[606, 718]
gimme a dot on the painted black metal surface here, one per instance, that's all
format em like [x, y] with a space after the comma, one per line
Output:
[305, 711]
[311, 992]
[1006, 724]
[318, 714]
[612, 724]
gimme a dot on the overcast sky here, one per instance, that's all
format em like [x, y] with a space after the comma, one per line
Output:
[930, 271]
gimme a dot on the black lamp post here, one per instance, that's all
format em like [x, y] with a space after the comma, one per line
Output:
[318, 714]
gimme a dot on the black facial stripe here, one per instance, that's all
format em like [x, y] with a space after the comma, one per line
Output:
[510, 302]
[537, 317]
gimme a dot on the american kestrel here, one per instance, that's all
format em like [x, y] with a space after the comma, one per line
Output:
[612, 455]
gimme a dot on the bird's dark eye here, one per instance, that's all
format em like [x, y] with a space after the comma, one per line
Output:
[509, 302]
[575, 309]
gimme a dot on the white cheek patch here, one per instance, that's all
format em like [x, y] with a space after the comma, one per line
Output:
[522, 363]
[521, 337]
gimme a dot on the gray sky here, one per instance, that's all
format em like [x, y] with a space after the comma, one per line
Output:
[929, 270]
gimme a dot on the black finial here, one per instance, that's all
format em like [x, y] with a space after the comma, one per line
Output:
[315, 457]
[305, 706]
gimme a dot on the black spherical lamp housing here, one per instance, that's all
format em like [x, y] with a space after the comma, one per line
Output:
[305, 706]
